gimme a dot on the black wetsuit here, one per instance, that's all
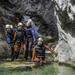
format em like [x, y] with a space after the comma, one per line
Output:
[40, 51]
[19, 36]
[30, 37]
[9, 39]
[19, 39]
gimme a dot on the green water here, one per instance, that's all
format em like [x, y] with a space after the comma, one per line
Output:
[52, 69]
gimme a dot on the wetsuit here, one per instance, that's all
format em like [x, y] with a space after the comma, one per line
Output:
[30, 39]
[9, 40]
[40, 51]
[19, 40]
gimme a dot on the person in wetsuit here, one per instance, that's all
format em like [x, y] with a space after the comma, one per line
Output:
[39, 52]
[9, 38]
[30, 39]
[19, 40]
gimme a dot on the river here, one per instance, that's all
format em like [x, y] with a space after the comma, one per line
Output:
[52, 69]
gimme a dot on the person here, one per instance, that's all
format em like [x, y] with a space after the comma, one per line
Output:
[39, 52]
[30, 40]
[19, 40]
[9, 37]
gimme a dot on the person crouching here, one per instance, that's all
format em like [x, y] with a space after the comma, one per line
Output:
[39, 52]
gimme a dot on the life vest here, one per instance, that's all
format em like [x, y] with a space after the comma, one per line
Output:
[39, 50]
[19, 36]
[9, 37]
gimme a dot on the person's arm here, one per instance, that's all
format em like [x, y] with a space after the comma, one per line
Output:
[49, 49]
[8, 40]
[14, 37]
[37, 34]
[33, 54]
[33, 35]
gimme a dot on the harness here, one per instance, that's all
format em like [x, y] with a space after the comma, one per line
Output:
[19, 36]
[29, 33]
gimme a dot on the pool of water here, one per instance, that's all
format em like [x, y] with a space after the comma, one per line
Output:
[52, 69]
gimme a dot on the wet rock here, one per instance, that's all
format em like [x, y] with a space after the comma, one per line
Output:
[42, 13]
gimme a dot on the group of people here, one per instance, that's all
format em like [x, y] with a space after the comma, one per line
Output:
[23, 36]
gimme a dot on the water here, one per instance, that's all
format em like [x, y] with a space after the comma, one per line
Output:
[52, 69]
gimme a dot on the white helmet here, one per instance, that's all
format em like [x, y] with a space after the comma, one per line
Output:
[20, 24]
[29, 22]
[40, 39]
[11, 26]
[7, 26]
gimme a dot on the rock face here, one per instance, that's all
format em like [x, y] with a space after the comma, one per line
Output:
[42, 13]
[65, 14]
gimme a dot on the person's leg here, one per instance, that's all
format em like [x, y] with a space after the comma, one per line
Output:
[22, 46]
[18, 50]
[12, 52]
[30, 49]
[41, 61]
[44, 60]
[17, 55]
[37, 61]
[26, 51]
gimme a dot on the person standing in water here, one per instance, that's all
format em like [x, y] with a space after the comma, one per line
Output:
[30, 39]
[9, 38]
[19, 40]
[39, 52]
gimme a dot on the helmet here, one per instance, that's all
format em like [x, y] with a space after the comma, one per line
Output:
[40, 39]
[29, 23]
[7, 26]
[20, 24]
[11, 26]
